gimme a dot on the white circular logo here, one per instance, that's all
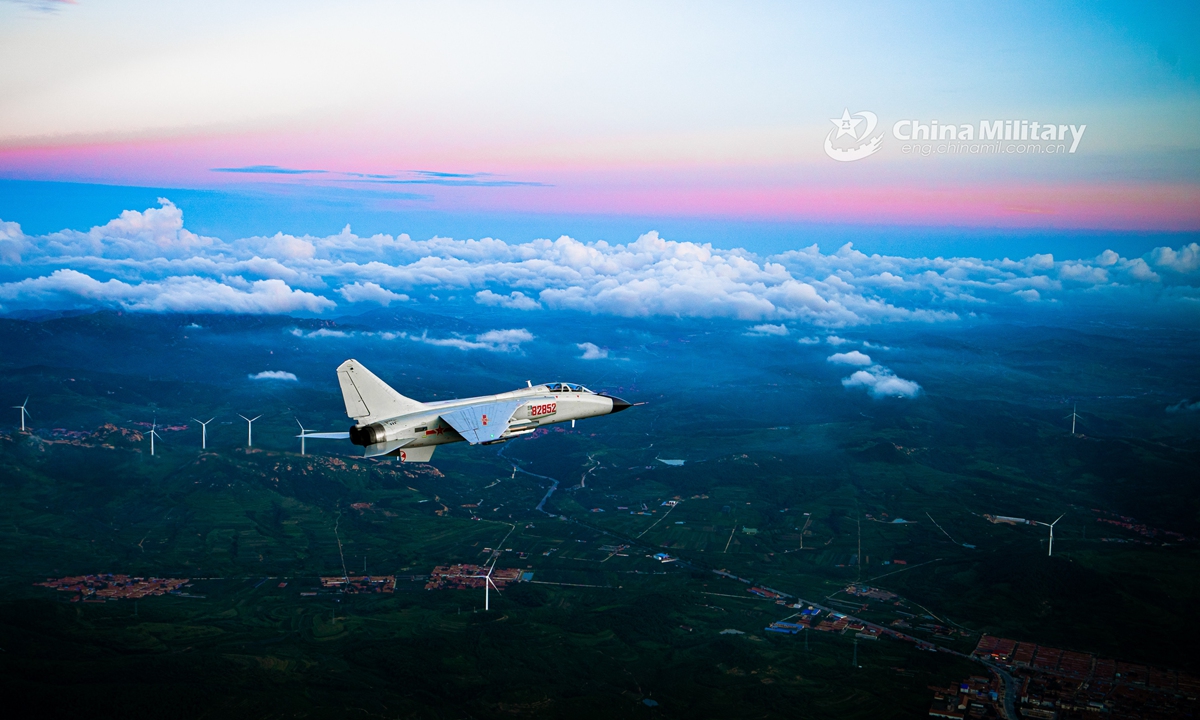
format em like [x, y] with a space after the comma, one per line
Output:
[860, 144]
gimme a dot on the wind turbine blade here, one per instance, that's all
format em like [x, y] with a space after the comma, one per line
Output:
[1060, 517]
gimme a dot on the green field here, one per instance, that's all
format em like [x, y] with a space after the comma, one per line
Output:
[597, 632]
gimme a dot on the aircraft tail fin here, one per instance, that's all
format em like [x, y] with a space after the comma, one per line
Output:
[368, 398]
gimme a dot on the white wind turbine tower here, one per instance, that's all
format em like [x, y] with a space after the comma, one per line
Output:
[1050, 551]
[153, 434]
[319, 435]
[1074, 416]
[204, 432]
[24, 412]
[249, 428]
[487, 580]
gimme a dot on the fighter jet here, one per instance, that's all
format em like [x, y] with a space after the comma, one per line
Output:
[388, 423]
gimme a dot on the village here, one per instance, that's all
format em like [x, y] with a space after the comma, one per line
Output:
[107, 586]
[1057, 684]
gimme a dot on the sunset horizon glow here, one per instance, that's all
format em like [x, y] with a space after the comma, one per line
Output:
[657, 112]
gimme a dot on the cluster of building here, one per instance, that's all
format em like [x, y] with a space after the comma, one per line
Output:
[106, 436]
[107, 586]
[766, 593]
[810, 618]
[360, 583]
[1058, 684]
[462, 577]
[870, 592]
[975, 697]
[1128, 523]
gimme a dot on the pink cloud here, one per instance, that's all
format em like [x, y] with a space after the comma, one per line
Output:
[793, 193]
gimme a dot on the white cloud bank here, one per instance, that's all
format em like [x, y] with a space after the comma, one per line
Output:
[188, 293]
[492, 340]
[592, 351]
[768, 329]
[853, 357]
[882, 382]
[515, 300]
[370, 292]
[274, 375]
[878, 380]
[147, 261]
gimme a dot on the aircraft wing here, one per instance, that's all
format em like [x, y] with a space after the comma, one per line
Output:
[328, 435]
[483, 423]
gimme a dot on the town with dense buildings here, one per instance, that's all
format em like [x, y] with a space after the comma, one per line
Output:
[107, 586]
[1056, 684]
[351, 584]
[465, 576]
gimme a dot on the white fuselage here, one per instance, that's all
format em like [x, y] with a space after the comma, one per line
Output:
[540, 406]
[388, 423]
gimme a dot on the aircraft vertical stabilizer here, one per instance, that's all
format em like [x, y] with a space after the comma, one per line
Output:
[368, 398]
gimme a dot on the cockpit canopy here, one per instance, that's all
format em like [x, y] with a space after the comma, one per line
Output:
[567, 387]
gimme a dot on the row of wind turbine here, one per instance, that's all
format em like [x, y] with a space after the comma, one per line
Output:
[304, 434]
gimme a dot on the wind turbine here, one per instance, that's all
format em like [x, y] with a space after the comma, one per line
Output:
[1074, 416]
[153, 434]
[319, 435]
[487, 580]
[1051, 526]
[204, 433]
[24, 412]
[249, 428]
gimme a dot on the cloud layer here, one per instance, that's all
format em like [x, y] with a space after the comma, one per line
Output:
[592, 351]
[882, 382]
[854, 357]
[274, 375]
[492, 340]
[148, 261]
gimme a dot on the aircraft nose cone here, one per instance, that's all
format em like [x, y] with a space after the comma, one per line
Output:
[619, 405]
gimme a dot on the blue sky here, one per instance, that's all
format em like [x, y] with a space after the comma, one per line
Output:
[699, 111]
[704, 126]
